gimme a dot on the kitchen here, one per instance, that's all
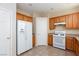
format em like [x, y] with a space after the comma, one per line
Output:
[63, 27]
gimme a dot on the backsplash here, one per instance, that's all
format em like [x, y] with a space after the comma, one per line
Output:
[63, 28]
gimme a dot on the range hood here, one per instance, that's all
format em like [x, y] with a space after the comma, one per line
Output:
[61, 23]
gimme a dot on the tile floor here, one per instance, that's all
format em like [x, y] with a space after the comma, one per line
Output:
[47, 51]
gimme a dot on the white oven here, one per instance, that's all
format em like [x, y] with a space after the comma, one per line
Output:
[59, 39]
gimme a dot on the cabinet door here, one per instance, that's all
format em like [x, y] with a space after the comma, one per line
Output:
[69, 22]
[75, 20]
[33, 40]
[62, 19]
[69, 43]
[57, 20]
[77, 48]
[51, 23]
[72, 21]
[19, 16]
[78, 21]
[50, 39]
[74, 45]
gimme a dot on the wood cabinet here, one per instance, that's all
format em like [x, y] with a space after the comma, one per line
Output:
[72, 21]
[76, 46]
[75, 20]
[62, 18]
[72, 44]
[50, 39]
[51, 23]
[23, 17]
[57, 19]
[69, 23]
[33, 40]
[26, 18]
[19, 16]
[69, 43]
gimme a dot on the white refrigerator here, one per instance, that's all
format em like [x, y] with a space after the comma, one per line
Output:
[24, 36]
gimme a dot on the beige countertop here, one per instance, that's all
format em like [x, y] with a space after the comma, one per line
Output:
[74, 35]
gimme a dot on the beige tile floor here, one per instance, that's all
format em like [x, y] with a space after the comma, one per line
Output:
[47, 51]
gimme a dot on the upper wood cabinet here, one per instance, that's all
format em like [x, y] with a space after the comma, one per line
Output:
[23, 17]
[62, 18]
[69, 21]
[72, 21]
[26, 18]
[51, 23]
[19, 16]
[75, 20]
[57, 20]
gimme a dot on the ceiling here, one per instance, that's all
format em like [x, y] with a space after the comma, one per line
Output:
[45, 8]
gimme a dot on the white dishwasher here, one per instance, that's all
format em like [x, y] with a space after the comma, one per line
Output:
[59, 39]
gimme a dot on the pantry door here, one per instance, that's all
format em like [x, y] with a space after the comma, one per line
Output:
[41, 31]
[5, 32]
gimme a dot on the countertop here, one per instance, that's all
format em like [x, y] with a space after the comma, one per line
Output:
[74, 36]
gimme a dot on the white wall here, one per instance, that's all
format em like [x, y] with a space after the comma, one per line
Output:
[63, 28]
[63, 12]
[12, 7]
[22, 12]
[34, 21]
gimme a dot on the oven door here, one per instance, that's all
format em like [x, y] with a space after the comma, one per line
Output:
[59, 42]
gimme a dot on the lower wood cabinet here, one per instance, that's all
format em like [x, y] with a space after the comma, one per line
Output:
[72, 44]
[33, 40]
[69, 43]
[76, 47]
[50, 39]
